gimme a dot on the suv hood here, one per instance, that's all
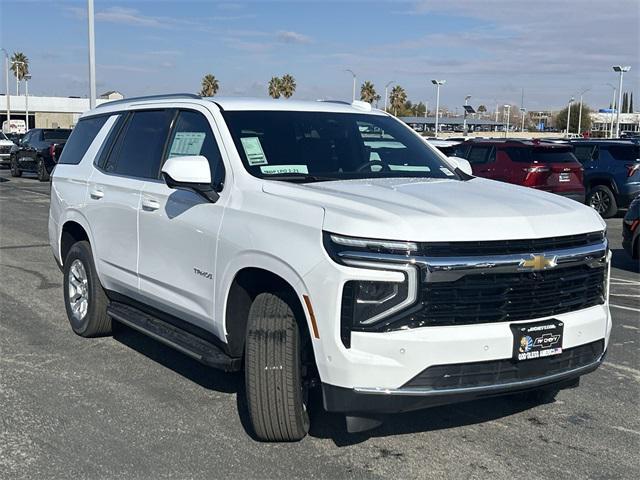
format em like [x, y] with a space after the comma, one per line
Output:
[440, 210]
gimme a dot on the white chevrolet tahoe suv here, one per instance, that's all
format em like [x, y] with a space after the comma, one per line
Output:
[323, 246]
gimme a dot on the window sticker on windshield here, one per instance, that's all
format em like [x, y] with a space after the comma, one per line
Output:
[446, 171]
[186, 143]
[284, 169]
[253, 150]
[409, 168]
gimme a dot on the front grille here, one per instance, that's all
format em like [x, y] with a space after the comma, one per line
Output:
[506, 247]
[495, 372]
[502, 297]
[5, 148]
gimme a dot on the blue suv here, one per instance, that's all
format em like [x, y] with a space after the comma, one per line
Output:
[611, 173]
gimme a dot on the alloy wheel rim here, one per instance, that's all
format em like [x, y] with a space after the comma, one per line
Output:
[599, 202]
[78, 287]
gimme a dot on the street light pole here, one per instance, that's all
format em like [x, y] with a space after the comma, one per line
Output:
[522, 110]
[437, 83]
[508, 110]
[569, 114]
[27, 77]
[17, 64]
[6, 82]
[92, 56]
[580, 112]
[386, 94]
[354, 84]
[464, 120]
[613, 108]
[620, 69]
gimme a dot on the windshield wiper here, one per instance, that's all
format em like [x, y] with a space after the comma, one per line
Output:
[299, 178]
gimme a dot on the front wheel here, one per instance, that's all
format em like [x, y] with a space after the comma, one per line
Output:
[15, 171]
[276, 391]
[603, 201]
[43, 175]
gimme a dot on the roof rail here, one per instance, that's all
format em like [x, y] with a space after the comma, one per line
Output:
[168, 96]
[341, 102]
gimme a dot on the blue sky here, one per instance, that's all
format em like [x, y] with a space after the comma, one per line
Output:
[490, 49]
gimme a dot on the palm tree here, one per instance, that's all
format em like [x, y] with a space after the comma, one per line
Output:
[210, 86]
[275, 87]
[287, 85]
[398, 97]
[368, 92]
[19, 65]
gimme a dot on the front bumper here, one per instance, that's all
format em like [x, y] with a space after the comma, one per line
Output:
[5, 158]
[373, 401]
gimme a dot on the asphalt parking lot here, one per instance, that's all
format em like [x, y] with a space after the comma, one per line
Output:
[128, 407]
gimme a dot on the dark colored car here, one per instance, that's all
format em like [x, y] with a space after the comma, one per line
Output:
[38, 152]
[631, 229]
[611, 173]
[547, 166]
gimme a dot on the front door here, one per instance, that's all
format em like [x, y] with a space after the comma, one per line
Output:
[178, 229]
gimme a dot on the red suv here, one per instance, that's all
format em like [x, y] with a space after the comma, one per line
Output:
[551, 167]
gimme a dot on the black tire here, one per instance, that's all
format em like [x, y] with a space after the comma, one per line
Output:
[276, 395]
[13, 164]
[603, 201]
[95, 322]
[43, 175]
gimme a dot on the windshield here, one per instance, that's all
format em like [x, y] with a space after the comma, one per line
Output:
[314, 146]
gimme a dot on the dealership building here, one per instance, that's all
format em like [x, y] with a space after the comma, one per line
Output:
[50, 112]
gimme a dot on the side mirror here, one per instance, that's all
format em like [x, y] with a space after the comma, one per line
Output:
[462, 164]
[190, 173]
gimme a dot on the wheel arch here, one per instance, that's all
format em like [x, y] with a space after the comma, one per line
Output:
[251, 279]
[72, 230]
[604, 180]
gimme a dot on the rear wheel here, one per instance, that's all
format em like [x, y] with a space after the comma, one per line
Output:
[277, 392]
[43, 175]
[84, 298]
[15, 171]
[603, 201]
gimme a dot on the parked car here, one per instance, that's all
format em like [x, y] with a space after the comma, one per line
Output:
[38, 152]
[14, 126]
[317, 244]
[550, 167]
[5, 150]
[611, 173]
[447, 147]
[631, 229]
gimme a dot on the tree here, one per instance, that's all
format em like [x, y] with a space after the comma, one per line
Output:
[560, 119]
[287, 85]
[19, 65]
[482, 109]
[368, 92]
[631, 103]
[275, 85]
[210, 86]
[625, 103]
[398, 97]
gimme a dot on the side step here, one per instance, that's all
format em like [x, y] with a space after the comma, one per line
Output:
[174, 337]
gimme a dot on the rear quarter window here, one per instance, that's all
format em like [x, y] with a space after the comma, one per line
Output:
[80, 139]
[626, 153]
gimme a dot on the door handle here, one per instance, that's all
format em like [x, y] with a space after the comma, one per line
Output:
[96, 193]
[150, 204]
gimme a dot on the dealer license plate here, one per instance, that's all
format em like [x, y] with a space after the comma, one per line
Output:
[537, 339]
[565, 177]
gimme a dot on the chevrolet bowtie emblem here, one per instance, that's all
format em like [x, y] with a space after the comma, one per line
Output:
[539, 262]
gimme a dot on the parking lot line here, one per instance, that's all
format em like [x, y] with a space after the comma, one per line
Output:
[625, 308]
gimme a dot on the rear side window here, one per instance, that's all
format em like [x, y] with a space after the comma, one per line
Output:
[192, 135]
[626, 153]
[59, 135]
[80, 139]
[138, 151]
[480, 154]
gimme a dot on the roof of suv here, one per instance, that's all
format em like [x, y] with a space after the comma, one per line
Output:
[242, 103]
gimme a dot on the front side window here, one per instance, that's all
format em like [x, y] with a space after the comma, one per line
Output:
[314, 146]
[192, 135]
[479, 154]
[584, 153]
[138, 150]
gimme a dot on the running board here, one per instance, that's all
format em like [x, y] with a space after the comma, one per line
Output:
[174, 337]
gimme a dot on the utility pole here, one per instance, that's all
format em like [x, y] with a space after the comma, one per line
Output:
[508, 112]
[27, 77]
[6, 82]
[437, 83]
[464, 121]
[580, 111]
[613, 108]
[569, 114]
[621, 70]
[92, 56]
[386, 94]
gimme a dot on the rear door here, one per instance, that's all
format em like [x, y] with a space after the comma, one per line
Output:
[482, 160]
[113, 199]
[179, 229]
[26, 153]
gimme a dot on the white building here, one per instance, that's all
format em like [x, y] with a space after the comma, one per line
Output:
[601, 123]
[48, 112]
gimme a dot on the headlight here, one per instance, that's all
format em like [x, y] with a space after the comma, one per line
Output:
[369, 305]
